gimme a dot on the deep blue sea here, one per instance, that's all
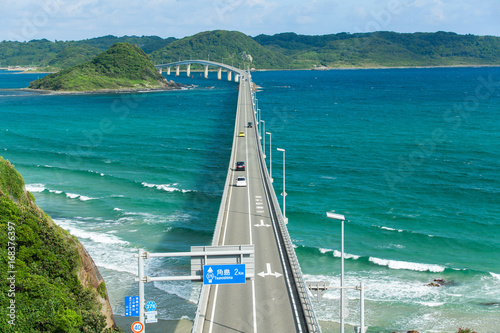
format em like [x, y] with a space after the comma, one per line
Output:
[411, 157]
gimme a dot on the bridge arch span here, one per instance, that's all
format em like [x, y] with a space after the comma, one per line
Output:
[206, 63]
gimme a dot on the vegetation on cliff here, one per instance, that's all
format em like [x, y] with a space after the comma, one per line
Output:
[45, 286]
[122, 66]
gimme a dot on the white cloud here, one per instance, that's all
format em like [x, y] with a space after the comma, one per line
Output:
[80, 19]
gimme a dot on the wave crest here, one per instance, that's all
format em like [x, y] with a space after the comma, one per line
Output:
[395, 264]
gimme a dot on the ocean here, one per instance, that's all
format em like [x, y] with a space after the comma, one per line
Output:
[409, 156]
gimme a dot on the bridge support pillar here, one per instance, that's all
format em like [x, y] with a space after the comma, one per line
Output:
[177, 70]
[219, 73]
[236, 77]
[160, 70]
[188, 70]
[168, 70]
[229, 75]
[206, 71]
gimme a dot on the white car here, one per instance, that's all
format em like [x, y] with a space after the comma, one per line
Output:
[241, 181]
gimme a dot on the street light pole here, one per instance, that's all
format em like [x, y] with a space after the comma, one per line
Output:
[270, 158]
[342, 300]
[284, 192]
[258, 118]
[263, 135]
[141, 286]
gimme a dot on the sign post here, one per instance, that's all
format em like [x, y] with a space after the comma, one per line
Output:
[211, 264]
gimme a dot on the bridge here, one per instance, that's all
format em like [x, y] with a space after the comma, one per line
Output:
[206, 63]
[276, 299]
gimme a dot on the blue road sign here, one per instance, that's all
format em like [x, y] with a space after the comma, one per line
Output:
[131, 306]
[151, 306]
[223, 274]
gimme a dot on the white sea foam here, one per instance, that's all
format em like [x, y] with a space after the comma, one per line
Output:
[184, 289]
[495, 275]
[338, 254]
[153, 218]
[166, 187]
[85, 198]
[99, 173]
[97, 237]
[106, 249]
[394, 264]
[35, 188]
[432, 304]
[79, 196]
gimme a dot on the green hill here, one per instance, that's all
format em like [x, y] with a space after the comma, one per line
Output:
[229, 47]
[385, 49]
[73, 55]
[48, 282]
[40, 52]
[280, 51]
[123, 66]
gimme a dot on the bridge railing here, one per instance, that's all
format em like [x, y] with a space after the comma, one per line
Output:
[301, 287]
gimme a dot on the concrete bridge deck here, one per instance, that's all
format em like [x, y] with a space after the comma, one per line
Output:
[277, 299]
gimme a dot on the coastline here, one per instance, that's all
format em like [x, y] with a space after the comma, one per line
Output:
[374, 67]
[177, 86]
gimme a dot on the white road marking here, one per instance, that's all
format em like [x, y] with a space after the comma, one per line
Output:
[269, 272]
[262, 224]
[213, 309]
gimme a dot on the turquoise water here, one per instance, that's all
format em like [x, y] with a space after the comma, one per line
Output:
[409, 156]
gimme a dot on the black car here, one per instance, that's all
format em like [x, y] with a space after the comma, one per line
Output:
[240, 165]
[249, 124]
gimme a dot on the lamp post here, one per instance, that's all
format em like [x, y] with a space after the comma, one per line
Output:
[284, 192]
[270, 158]
[342, 219]
[263, 135]
[258, 118]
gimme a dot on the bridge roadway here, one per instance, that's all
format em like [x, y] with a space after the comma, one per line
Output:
[267, 303]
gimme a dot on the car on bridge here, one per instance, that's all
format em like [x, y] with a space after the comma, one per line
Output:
[249, 124]
[241, 133]
[240, 166]
[241, 181]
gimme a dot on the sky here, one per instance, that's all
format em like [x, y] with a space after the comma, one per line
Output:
[24, 20]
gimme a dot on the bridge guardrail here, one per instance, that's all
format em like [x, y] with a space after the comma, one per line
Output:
[302, 290]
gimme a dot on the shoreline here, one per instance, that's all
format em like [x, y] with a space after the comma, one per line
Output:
[177, 86]
[379, 67]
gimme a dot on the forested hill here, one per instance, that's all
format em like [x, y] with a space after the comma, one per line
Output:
[386, 49]
[230, 47]
[122, 66]
[280, 51]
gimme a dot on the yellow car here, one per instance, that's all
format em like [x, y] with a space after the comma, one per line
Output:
[241, 133]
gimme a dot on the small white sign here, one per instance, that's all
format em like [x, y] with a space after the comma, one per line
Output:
[151, 317]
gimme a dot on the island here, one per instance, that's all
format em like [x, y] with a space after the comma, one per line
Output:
[123, 67]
